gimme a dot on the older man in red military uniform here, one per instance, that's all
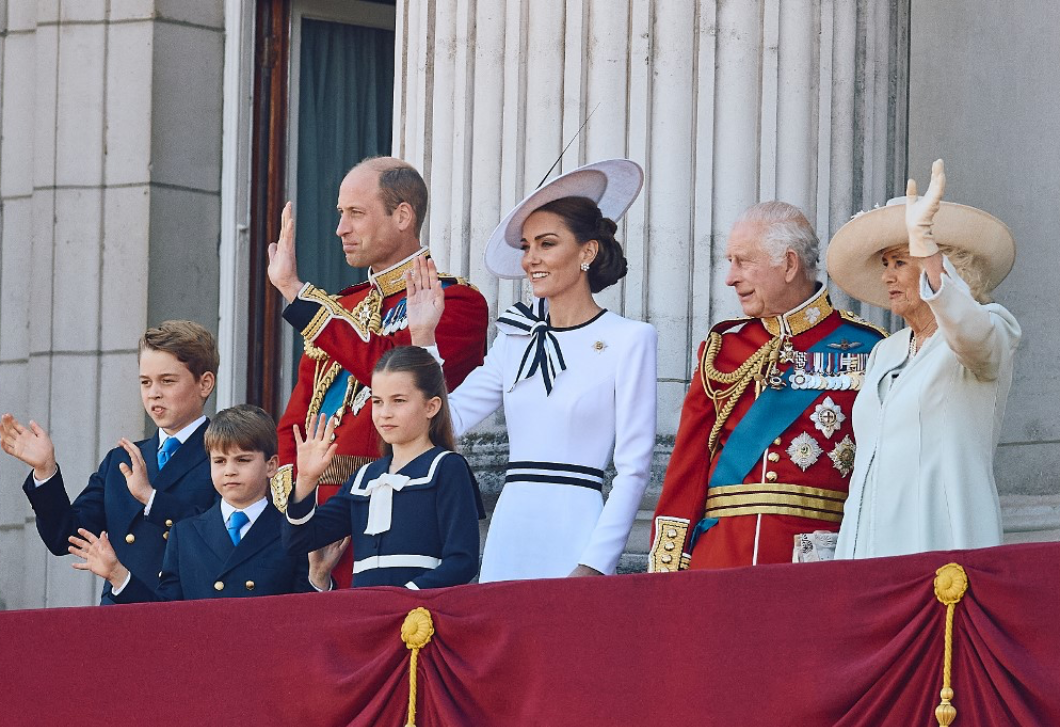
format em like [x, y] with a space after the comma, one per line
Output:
[381, 204]
[765, 446]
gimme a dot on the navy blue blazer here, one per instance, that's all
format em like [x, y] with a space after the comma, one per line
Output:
[434, 517]
[201, 562]
[182, 488]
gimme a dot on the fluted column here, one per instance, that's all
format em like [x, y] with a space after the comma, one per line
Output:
[724, 103]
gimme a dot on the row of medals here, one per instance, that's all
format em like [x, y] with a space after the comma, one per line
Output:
[819, 371]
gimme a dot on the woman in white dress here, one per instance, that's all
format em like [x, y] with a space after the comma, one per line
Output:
[577, 382]
[929, 414]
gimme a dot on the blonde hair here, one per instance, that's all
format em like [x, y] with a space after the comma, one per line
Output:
[967, 264]
[970, 267]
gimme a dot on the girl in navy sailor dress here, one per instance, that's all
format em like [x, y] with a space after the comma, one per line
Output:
[412, 515]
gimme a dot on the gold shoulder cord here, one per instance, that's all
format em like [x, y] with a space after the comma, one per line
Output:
[737, 381]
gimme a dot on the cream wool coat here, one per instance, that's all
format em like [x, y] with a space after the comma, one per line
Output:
[924, 470]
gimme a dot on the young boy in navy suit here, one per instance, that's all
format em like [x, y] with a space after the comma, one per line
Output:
[142, 488]
[234, 548]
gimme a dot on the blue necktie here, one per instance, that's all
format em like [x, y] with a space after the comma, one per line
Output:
[166, 452]
[236, 521]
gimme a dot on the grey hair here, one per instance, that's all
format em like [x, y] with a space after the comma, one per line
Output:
[786, 229]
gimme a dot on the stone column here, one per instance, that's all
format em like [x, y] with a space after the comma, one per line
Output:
[111, 119]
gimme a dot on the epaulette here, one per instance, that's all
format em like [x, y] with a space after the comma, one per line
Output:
[456, 280]
[352, 289]
[857, 320]
[722, 326]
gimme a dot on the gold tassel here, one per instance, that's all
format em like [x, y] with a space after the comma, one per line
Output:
[416, 632]
[951, 582]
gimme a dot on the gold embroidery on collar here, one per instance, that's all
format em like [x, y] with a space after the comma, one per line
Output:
[392, 280]
[803, 318]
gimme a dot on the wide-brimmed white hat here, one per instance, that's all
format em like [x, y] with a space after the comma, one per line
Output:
[854, 252]
[613, 184]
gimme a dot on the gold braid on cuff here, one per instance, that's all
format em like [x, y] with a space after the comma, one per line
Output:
[666, 552]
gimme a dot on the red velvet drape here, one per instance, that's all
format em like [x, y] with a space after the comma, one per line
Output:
[849, 643]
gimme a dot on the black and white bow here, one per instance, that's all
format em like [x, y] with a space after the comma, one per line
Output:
[543, 352]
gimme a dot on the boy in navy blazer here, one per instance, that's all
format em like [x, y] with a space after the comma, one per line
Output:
[234, 548]
[141, 488]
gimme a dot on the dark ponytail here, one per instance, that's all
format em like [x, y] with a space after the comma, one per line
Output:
[585, 221]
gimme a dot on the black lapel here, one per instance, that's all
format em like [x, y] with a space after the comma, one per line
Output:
[264, 531]
[211, 527]
[188, 455]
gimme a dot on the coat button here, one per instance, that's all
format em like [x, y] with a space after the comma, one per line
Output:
[776, 442]
[667, 558]
[671, 533]
[169, 523]
[130, 538]
[165, 535]
[773, 457]
[218, 586]
[669, 546]
[771, 476]
[250, 585]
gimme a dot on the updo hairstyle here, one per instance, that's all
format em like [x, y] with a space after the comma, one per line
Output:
[585, 221]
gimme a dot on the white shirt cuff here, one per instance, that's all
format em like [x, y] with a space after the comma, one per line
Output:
[119, 589]
[331, 586]
[150, 502]
[38, 483]
[433, 351]
[412, 586]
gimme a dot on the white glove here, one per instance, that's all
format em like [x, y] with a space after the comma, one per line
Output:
[920, 213]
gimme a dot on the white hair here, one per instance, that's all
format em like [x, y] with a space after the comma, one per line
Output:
[786, 229]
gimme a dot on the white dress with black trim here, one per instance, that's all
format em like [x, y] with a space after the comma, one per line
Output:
[572, 397]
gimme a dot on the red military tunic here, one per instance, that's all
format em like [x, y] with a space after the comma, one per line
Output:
[765, 446]
[345, 335]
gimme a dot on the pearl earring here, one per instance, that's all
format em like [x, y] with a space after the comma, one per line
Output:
[584, 267]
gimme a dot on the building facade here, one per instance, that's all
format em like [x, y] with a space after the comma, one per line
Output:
[147, 146]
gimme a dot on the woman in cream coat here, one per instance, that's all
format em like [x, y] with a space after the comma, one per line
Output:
[930, 410]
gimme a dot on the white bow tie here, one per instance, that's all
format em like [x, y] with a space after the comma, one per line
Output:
[381, 501]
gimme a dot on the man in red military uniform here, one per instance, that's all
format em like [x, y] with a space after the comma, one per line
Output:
[382, 203]
[765, 446]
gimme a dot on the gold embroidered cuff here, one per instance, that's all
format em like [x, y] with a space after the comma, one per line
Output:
[666, 552]
[316, 325]
[282, 484]
[775, 498]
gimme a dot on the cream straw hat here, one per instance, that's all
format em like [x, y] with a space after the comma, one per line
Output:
[854, 253]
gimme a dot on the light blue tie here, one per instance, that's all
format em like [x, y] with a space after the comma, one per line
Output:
[166, 452]
[236, 521]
